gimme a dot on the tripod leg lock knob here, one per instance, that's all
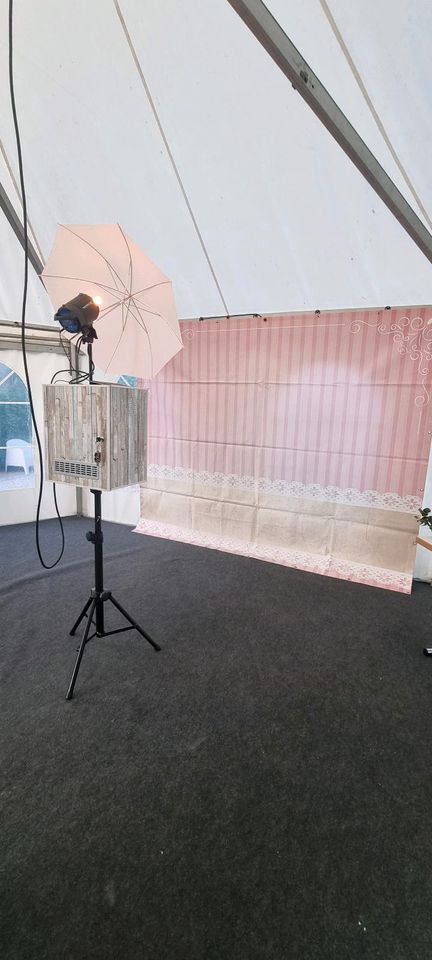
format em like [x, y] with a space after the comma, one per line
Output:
[94, 537]
[100, 594]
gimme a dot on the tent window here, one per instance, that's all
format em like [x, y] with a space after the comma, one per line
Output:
[126, 381]
[16, 451]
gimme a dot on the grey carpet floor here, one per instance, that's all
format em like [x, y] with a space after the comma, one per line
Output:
[262, 788]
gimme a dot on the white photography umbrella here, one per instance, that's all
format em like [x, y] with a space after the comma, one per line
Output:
[137, 327]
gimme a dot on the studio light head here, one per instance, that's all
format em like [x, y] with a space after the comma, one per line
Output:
[78, 316]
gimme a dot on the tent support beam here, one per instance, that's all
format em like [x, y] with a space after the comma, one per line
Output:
[275, 41]
[18, 229]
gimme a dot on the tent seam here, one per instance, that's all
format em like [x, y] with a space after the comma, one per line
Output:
[169, 151]
[360, 82]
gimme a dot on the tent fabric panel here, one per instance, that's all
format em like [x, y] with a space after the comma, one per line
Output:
[92, 151]
[390, 43]
[393, 74]
[265, 167]
[287, 221]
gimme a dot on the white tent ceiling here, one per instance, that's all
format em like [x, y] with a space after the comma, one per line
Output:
[288, 223]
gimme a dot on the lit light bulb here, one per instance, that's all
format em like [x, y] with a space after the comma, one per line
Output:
[97, 301]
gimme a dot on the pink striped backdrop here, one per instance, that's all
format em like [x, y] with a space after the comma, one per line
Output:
[337, 400]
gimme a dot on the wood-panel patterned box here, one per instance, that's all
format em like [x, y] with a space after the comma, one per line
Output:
[95, 435]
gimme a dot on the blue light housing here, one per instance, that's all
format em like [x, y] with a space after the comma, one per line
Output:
[78, 316]
[68, 320]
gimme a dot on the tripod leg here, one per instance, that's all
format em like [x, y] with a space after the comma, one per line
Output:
[133, 623]
[69, 694]
[81, 616]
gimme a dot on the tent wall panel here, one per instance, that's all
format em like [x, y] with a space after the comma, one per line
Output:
[18, 504]
[287, 221]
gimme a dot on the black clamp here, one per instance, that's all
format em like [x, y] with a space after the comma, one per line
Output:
[98, 453]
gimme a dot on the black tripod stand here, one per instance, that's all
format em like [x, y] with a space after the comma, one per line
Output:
[94, 607]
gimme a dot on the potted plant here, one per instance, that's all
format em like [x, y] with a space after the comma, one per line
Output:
[425, 518]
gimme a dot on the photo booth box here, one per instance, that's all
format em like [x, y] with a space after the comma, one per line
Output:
[95, 435]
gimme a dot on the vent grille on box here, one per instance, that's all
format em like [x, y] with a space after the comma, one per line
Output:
[70, 468]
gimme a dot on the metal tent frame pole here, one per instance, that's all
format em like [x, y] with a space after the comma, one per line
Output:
[18, 229]
[275, 41]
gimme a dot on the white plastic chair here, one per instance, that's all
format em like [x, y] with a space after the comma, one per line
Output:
[19, 453]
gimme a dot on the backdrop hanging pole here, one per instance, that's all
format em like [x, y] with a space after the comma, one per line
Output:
[275, 41]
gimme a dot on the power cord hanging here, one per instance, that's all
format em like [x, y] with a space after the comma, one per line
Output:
[80, 376]
[48, 566]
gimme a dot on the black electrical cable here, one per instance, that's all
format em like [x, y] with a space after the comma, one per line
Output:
[67, 354]
[57, 374]
[80, 375]
[48, 566]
